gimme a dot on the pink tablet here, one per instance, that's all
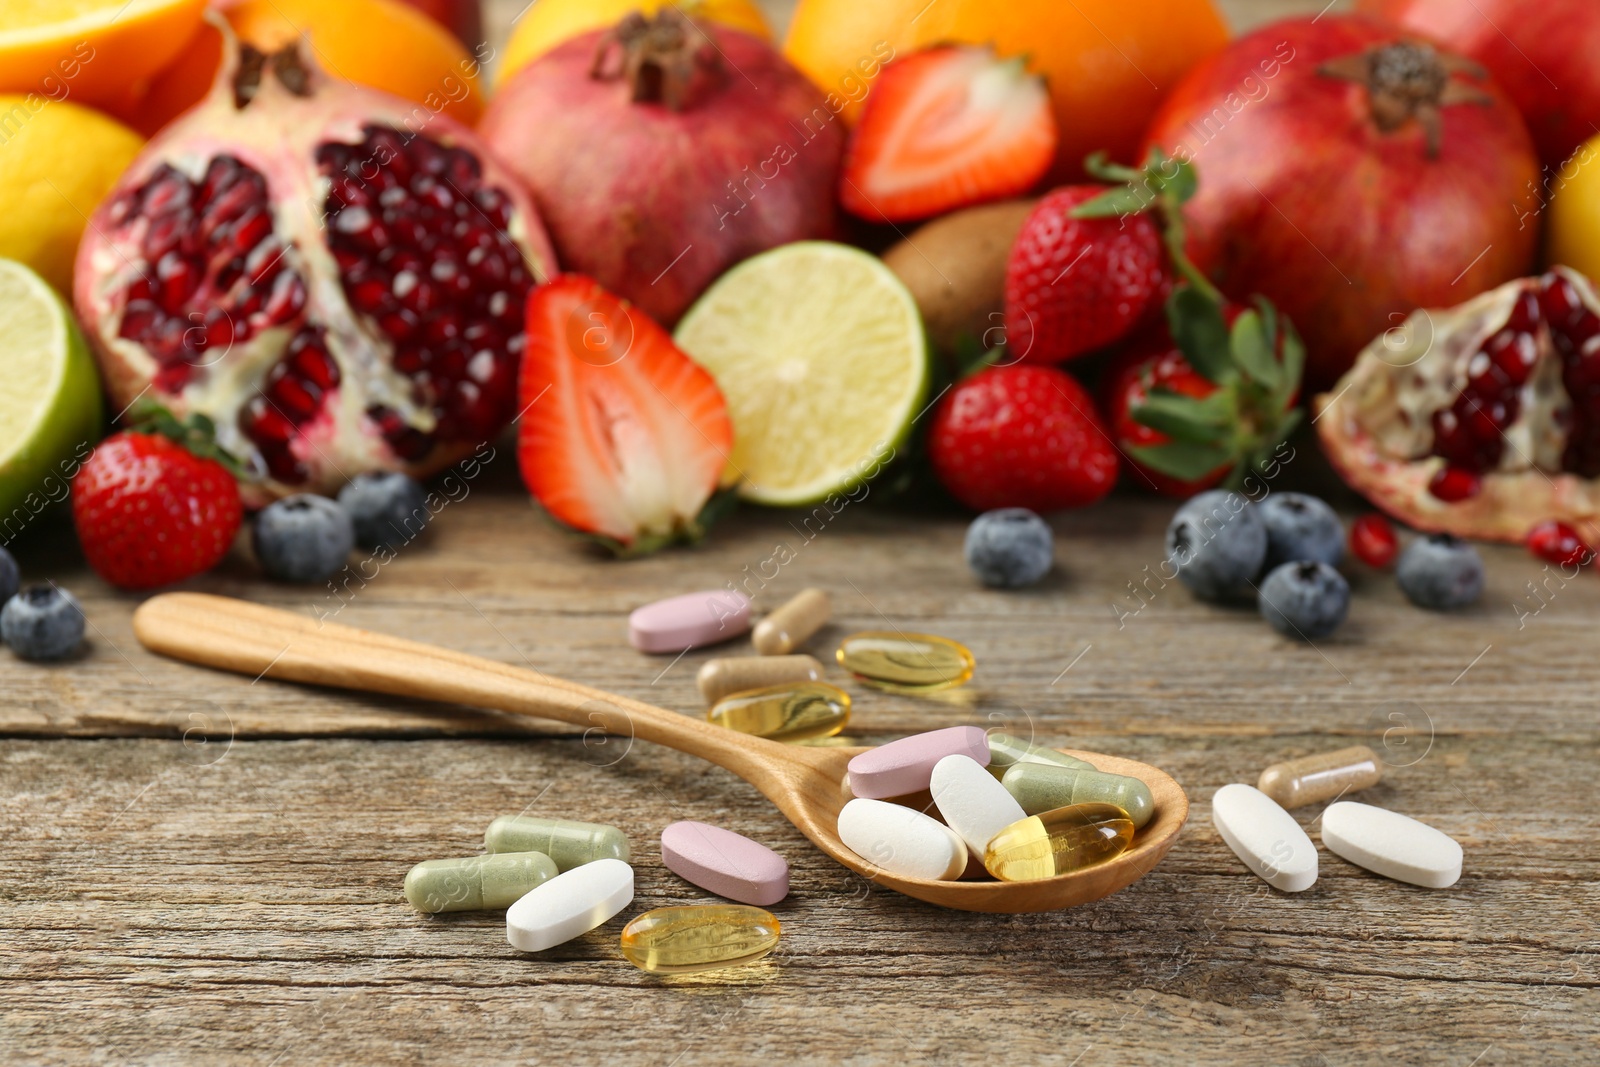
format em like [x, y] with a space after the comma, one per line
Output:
[906, 765]
[725, 863]
[689, 621]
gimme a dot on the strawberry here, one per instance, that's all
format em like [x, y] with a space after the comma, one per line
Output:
[1076, 284]
[945, 128]
[152, 508]
[1021, 436]
[1153, 363]
[622, 436]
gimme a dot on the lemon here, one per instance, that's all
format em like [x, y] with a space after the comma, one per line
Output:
[49, 397]
[548, 23]
[820, 353]
[57, 162]
[1574, 234]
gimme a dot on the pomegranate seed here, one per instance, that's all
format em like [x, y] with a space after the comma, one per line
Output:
[164, 235]
[168, 191]
[251, 229]
[410, 361]
[1454, 484]
[172, 379]
[179, 279]
[370, 297]
[287, 298]
[297, 398]
[398, 325]
[1558, 300]
[1373, 541]
[1556, 542]
[1513, 353]
[138, 319]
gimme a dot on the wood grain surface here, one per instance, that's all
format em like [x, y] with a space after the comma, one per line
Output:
[195, 867]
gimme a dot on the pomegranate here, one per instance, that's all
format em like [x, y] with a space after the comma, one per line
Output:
[336, 280]
[1350, 176]
[661, 152]
[464, 18]
[1481, 421]
[1373, 541]
[1541, 53]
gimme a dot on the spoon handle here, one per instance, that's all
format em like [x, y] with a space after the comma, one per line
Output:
[250, 639]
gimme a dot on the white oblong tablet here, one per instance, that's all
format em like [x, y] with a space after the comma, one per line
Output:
[1393, 845]
[572, 903]
[974, 805]
[1265, 837]
[902, 841]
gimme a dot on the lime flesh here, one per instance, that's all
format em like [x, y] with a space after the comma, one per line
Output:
[820, 352]
[50, 411]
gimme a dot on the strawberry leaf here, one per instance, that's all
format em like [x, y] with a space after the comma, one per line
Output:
[1186, 462]
[1113, 203]
[1294, 362]
[1253, 350]
[1186, 418]
[1201, 333]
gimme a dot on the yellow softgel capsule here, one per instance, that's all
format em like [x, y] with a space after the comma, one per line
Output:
[1058, 842]
[704, 938]
[799, 712]
[915, 662]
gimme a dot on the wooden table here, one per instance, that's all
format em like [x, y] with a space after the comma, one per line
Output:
[200, 867]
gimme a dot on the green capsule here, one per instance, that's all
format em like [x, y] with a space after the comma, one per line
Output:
[569, 842]
[1042, 787]
[1005, 750]
[916, 663]
[476, 883]
[797, 711]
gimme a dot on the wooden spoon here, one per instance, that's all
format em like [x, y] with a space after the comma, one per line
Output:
[804, 782]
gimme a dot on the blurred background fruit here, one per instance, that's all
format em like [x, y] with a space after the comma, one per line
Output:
[545, 24]
[1107, 62]
[57, 162]
[1573, 221]
[1351, 178]
[384, 44]
[90, 51]
[711, 155]
[464, 18]
[50, 407]
[1542, 54]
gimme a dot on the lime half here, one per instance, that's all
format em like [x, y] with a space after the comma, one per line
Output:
[819, 350]
[49, 397]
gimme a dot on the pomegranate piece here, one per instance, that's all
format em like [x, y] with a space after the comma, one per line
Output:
[337, 284]
[1373, 541]
[1481, 420]
[1558, 543]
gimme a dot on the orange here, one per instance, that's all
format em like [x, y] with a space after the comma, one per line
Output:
[551, 22]
[384, 44]
[1108, 62]
[88, 51]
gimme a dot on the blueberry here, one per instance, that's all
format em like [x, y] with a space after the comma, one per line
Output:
[1440, 572]
[10, 576]
[387, 508]
[43, 623]
[1217, 543]
[1009, 548]
[1304, 599]
[303, 538]
[1301, 527]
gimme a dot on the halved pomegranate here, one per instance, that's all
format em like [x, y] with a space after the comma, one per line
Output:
[335, 276]
[1482, 420]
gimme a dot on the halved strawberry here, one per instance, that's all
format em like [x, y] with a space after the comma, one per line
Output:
[945, 128]
[622, 436]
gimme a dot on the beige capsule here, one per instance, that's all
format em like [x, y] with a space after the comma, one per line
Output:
[1297, 782]
[793, 623]
[735, 674]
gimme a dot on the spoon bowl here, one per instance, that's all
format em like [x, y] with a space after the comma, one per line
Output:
[804, 782]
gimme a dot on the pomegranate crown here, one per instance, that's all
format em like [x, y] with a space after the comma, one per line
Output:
[659, 57]
[1408, 80]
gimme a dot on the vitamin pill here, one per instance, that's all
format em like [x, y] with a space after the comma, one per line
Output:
[476, 883]
[572, 903]
[1004, 750]
[725, 863]
[1324, 776]
[916, 662]
[906, 765]
[689, 621]
[1265, 837]
[736, 674]
[973, 804]
[1058, 842]
[902, 841]
[1042, 786]
[785, 712]
[1393, 845]
[704, 938]
[793, 623]
[569, 842]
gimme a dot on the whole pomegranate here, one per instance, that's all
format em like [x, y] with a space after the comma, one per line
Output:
[661, 152]
[1483, 420]
[333, 276]
[1542, 54]
[1350, 176]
